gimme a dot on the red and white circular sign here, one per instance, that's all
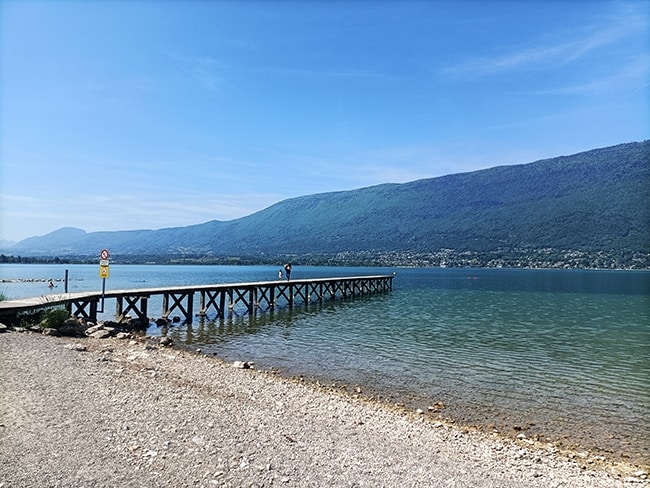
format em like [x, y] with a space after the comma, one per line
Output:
[103, 254]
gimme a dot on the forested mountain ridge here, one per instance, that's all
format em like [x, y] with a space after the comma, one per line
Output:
[593, 202]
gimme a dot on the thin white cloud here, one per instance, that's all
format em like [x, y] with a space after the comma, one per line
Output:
[96, 212]
[641, 88]
[354, 169]
[553, 52]
[207, 71]
[329, 73]
[625, 81]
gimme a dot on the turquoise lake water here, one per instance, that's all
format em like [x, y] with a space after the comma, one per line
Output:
[563, 355]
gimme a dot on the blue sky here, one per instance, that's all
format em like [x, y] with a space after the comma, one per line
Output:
[118, 115]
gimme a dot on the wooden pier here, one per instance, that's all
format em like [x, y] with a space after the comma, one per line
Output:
[219, 300]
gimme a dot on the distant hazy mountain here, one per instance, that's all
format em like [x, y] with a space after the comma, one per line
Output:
[4, 244]
[595, 200]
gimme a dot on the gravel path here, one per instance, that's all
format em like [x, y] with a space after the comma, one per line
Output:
[127, 413]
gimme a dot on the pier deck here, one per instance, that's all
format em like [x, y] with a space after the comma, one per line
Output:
[221, 299]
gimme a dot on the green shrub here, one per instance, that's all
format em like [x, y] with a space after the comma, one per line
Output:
[55, 318]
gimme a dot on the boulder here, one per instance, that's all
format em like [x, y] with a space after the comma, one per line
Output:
[72, 321]
[72, 327]
[129, 323]
[49, 331]
[93, 329]
[72, 331]
[3, 328]
[166, 341]
[100, 334]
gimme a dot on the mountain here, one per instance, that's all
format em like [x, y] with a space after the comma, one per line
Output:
[62, 240]
[4, 244]
[592, 201]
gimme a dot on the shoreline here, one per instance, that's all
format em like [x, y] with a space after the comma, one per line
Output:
[512, 427]
[132, 412]
[521, 433]
[520, 426]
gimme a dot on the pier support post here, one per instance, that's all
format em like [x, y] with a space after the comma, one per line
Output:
[140, 310]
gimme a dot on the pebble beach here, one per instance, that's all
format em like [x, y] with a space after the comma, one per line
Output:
[111, 412]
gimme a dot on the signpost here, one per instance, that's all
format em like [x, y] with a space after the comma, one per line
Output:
[103, 272]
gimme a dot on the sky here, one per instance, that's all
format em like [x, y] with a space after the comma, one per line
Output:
[120, 115]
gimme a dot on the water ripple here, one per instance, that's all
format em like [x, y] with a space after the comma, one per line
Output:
[572, 361]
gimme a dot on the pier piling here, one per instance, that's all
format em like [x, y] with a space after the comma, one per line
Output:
[221, 299]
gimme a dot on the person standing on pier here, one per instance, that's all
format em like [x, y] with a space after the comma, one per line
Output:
[287, 270]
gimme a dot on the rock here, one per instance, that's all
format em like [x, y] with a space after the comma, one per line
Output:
[3, 328]
[49, 331]
[91, 330]
[632, 479]
[76, 347]
[72, 331]
[161, 321]
[129, 323]
[124, 318]
[242, 364]
[100, 334]
[72, 321]
[72, 328]
[123, 335]
[166, 341]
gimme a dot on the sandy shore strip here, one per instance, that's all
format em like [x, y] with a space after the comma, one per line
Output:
[109, 412]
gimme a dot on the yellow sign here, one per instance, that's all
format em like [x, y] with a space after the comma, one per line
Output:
[103, 271]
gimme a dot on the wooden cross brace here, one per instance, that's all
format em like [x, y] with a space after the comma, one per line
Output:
[177, 302]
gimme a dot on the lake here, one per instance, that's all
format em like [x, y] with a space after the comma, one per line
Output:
[562, 355]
